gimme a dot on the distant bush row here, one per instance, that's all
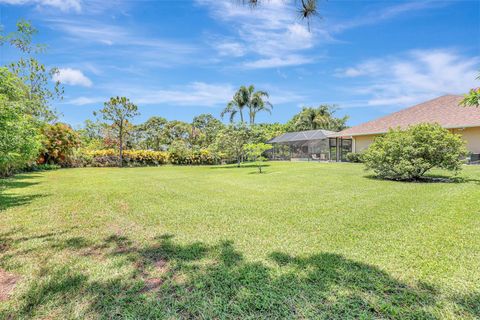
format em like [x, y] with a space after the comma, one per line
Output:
[135, 158]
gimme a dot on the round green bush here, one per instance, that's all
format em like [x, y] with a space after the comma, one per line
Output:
[409, 154]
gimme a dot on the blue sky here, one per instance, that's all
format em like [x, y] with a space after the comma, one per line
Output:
[178, 59]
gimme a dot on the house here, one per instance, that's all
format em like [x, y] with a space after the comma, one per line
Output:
[444, 110]
[302, 145]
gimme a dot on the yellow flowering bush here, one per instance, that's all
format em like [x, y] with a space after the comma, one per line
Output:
[109, 157]
[196, 157]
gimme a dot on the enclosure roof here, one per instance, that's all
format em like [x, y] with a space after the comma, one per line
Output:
[301, 136]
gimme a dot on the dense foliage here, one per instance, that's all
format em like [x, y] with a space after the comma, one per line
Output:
[59, 144]
[231, 141]
[322, 117]
[354, 157]
[409, 154]
[19, 138]
[472, 98]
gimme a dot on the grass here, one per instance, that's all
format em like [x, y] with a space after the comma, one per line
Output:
[303, 240]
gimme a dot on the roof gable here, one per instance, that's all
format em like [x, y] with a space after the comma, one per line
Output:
[443, 110]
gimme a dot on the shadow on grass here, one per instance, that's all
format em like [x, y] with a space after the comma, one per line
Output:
[167, 279]
[8, 200]
[470, 304]
[234, 166]
[429, 178]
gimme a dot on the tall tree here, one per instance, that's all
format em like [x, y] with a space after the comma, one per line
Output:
[255, 101]
[231, 141]
[208, 126]
[34, 74]
[20, 140]
[237, 104]
[178, 130]
[154, 132]
[119, 110]
[258, 103]
[322, 117]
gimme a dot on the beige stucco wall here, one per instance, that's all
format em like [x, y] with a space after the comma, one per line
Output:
[470, 135]
[362, 142]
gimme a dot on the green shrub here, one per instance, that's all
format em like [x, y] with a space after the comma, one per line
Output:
[354, 157]
[409, 154]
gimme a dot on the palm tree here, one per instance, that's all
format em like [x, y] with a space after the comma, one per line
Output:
[319, 118]
[257, 104]
[236, 105]
[305, 8]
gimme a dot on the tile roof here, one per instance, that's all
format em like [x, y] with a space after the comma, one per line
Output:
[302, 136]
[443, 110]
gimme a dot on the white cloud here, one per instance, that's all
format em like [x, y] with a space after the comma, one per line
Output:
[132, 44]
[230, 48]
[198, 94]
[193, 94]
[63, 5]
[275, 62]
[413, 77]
[364, 68]
[384, 14]
[72, 77]
[81, 101]
[270, 34]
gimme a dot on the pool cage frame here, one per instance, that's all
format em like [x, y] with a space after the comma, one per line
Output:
[311, 145]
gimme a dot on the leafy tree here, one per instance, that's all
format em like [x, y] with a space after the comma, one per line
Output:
[322, 117]
[92, 134]
[409, 154]
[178, 130]
[119, 110]
[19, 135]
[154, 130]
[472, 99]
[265, 131]
[231, 141]
[39, 91]
[254, 152]
[59, 143]
[208, 127]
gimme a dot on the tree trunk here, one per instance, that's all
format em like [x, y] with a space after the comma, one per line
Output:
[241, 116]
[121, 145]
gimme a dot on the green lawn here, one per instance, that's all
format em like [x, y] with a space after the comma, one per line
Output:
[303, 240]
